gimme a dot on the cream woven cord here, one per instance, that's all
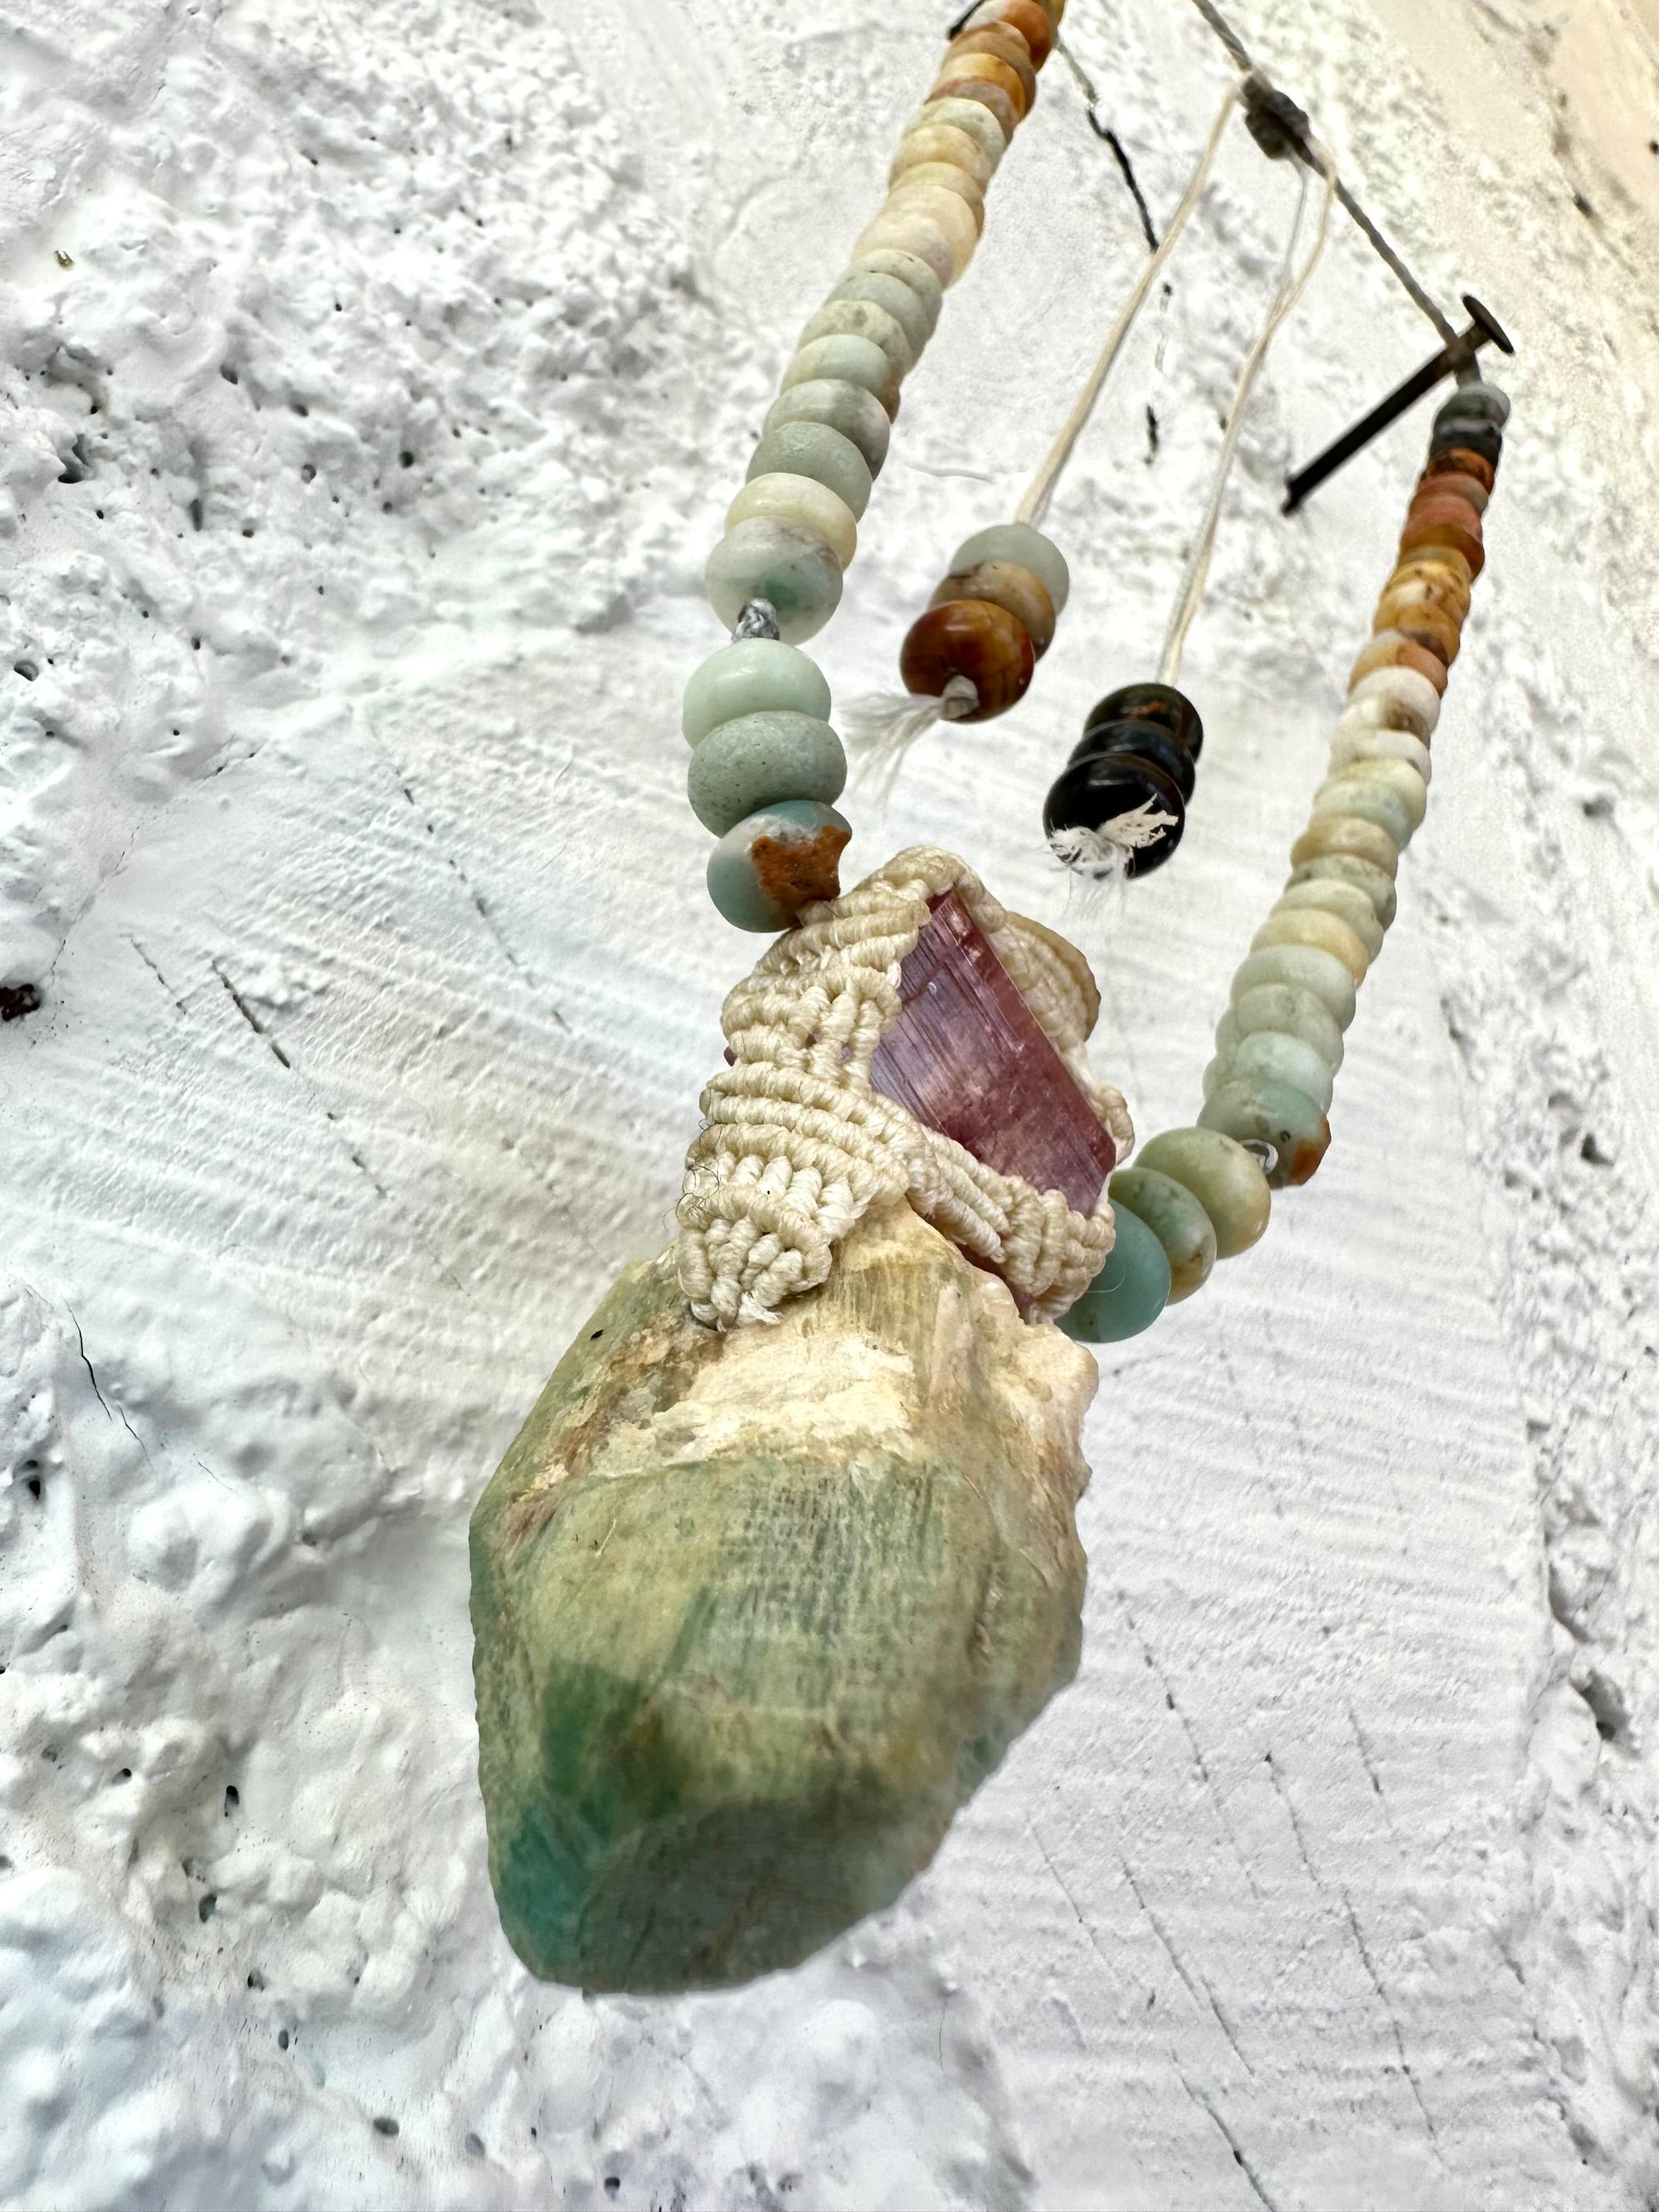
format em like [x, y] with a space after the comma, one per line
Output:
[796, 1145]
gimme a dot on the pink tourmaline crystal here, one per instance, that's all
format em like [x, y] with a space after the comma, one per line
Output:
[968, 1057]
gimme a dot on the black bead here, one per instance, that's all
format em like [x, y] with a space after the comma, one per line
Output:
[1105, 786]
[1473, 437]
[1142, 740]
[1160, 703]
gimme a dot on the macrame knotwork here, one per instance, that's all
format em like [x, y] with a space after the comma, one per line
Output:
[796, 1145]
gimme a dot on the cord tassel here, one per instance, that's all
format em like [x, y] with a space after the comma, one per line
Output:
[881, 727]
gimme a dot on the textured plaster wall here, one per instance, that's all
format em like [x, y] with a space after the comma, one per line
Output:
[375, 378]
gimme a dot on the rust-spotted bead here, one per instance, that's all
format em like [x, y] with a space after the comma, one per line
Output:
[1005, 584]
[1391, 649]
[1003, 43]
[1433, 627]
[972, 638]
[1023, 17]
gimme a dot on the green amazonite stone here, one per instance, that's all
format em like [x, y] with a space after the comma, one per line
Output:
[1130, 1291]
[1255, 1110]
[748, 677]
[1222, 1176]
[848, 408]
[1175, 1218]
[902, 301]
[795, 845]
[813, 449]
[1305, 968]
[755, 1613]
[1292, 1012]
[759, 759]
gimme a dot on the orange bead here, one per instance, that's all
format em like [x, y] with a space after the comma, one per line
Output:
[971, 638]
[1023, 17]
[1433, 627]
[1004, 44]
[983, 69]
[1021, 591]
[1445, 485]
[1459, 460]
[1444, 522]
[990, 97]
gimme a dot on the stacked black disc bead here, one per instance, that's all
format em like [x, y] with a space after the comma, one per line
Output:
[1137, 755]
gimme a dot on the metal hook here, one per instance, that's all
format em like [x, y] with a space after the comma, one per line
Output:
[1457, 354]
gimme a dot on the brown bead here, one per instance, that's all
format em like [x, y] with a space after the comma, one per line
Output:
[1444, 562]
[990, 97]
[971, 638]
[1419, 593]
[985, 69]
[1436, 629]
[1444, 522]
[1392, 650]
[1004, 44]
[1445, 485]
[1460, 461]
[1005, 584]
[1023, 17]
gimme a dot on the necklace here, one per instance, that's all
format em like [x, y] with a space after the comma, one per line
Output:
[769, 1582]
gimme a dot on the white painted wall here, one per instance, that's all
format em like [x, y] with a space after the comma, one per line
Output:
[375, 379]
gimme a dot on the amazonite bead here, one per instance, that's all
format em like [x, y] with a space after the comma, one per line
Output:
[1347, 833]
[1349, 868]
[1175, 1218]
[863, 319]
[770, 865]
[902, 301]
[1027, 548]
[1288, 1009]
[848, 408]
[1272, 1056]
[1406, 700]
[960, 218]
[846, 360]
[747, 678]
[799, 503]
[911, 230]
[1222, 1176]
[813, 449]
[1347, 798]
[910, 269]
[1288, 1123]
[758, 759]
[1314, 926]
[968, 115]
[1130, 1291]
[1363, 740]
[793, 569]
[1216, 1072]
[1345, 899]
[1397, 777]
[1305, 968]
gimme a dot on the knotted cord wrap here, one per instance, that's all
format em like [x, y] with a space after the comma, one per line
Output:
[796, 1145]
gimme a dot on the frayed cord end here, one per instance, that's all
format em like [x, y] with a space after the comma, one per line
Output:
[882, 727]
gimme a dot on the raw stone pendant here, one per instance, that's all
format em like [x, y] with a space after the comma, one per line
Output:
[757, 1613]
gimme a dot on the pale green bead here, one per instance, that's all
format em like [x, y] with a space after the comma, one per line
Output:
[816, 832]
[1175, 1218]
[1290, 1011]
[1216, 1072]
[747, 678]
[798, 503]
[795, 572]
[1026, 548]
[863, 319]
[1130, 1291]
[1349, 868]
[902, 299]
[1289, 1125]
[1364, 802]
[1222, 1176]
[1364, 740]
[1346, 900]
[1274, 1056]
[1305, 968]
[968, 115]
[845, 361]
[848, 408]
[1314, 926]
[910, 269]
[1396, 776]
[759, 759]
[813, 449]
